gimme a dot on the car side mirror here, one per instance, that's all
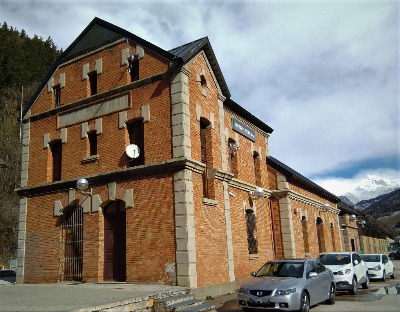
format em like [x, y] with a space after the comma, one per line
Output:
[253, 274]
[312, 274]
[355, 262]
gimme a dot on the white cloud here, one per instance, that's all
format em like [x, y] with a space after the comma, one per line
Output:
[323, 74]
[340, 186]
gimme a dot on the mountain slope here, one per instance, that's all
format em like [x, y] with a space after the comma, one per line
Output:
[372, 186]
[381, 206]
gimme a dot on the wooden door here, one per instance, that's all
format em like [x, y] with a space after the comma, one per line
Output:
[115, 242]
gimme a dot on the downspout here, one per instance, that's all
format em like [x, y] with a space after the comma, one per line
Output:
[273, 228]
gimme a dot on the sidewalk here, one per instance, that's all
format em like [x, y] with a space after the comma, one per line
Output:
[67, 297]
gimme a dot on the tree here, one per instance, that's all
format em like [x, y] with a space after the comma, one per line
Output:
[24, 62]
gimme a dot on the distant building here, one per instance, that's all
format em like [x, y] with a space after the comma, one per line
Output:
[182, 190]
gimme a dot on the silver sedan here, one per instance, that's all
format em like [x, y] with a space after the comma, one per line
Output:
[288, 285]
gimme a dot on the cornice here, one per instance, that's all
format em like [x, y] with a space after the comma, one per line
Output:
[302, 198]
[244, 186]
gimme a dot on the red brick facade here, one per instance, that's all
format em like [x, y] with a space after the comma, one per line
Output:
[174, 235]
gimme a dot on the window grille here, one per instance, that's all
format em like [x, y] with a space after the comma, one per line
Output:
[72, 244]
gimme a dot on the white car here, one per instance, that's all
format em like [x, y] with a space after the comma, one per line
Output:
[348, 269]
[379, 266]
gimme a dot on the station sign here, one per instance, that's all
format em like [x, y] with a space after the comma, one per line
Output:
[243, 129]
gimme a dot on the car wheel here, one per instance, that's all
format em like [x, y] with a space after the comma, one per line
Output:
[332, 295]
[354, 288]
[384, 276]
[392, 276]
[304, 302]
[365, 285]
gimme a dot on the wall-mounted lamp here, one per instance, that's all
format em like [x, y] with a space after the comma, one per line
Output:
[326, 207]
[82, 185]
[233, 147]
[257, 193]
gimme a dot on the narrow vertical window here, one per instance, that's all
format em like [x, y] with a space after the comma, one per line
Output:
[136, 136]
[233, 149]
[251, 232]
[257, 169]
[203, 143]
[134, 69]
[93, 82]
[92, 136]
[57, 95]
[305, 235]
[56, 152]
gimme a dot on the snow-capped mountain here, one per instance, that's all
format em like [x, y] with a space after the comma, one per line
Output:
[372, 186]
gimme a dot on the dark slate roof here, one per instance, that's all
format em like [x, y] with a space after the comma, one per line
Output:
[189, 50]
[244, 113]
[297, 177]
[99, 33]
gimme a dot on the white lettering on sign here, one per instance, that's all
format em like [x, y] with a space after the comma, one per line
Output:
[243, 129]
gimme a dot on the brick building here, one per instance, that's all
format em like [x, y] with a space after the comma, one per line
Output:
[179, 192]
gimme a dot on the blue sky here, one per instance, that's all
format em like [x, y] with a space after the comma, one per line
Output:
[323, 74]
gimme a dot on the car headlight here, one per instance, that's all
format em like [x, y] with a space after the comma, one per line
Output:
[285, 292]
[243, 290]
[344, 272]
[377, 267]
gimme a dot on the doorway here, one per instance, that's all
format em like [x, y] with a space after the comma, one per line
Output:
[115, 242]
[72, 240]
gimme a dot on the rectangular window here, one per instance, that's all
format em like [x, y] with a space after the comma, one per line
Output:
[233, 150]
[257, 168]
[251, 232]
[203, 143]
[56, 151]
[136, 136]
[57, 95]
[93, 82]
[134, 69]
[93, 142]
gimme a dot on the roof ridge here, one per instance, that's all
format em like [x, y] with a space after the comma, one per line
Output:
[188, 43]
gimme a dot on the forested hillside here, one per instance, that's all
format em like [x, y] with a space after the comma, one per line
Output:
[24, 62]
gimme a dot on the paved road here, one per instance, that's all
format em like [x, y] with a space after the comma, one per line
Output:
[381, 296]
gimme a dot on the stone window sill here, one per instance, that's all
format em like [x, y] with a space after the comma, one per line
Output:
[92, 158]
[210, 202]
[253, 256]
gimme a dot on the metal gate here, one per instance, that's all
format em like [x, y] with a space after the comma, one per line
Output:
[72, 244]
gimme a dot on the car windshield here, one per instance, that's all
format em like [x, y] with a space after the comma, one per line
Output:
[330, 259]
[371, 258]
[282, 269]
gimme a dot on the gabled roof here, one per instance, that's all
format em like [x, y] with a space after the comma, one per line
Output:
[297, 177]
[189, 50]
[99, 33]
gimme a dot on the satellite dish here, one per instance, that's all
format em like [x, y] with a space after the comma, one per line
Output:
[133, 151]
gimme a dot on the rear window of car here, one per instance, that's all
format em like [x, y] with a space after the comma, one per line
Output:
[282, 269]
[7, 273]
[331, 259]
[371, 258]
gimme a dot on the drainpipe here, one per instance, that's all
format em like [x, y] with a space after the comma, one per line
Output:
[273, 228]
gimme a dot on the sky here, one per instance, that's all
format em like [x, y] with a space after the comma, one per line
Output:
[324, 74]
